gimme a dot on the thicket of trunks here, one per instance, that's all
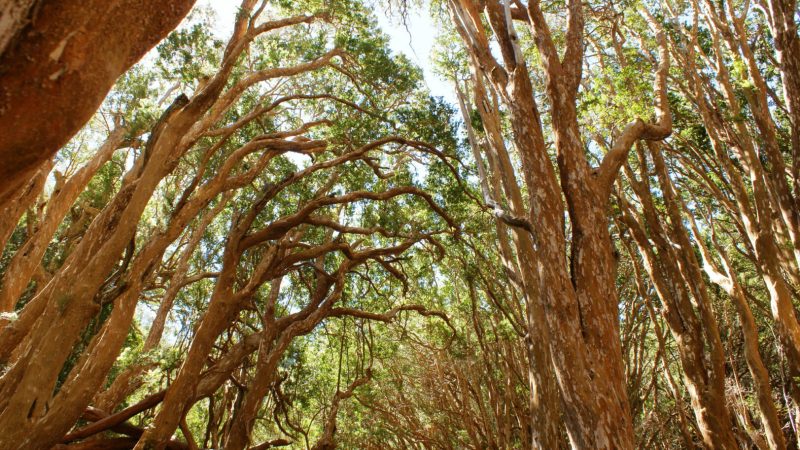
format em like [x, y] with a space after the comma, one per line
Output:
[281, 240]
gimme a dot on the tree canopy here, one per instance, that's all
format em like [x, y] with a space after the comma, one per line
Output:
[282, 238]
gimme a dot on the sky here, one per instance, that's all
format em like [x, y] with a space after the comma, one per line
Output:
[415, 42]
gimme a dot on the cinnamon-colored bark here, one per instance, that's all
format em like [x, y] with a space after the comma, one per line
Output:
[59, 65]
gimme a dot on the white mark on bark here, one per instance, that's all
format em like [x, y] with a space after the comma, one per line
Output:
[57, 74]
[55, 55]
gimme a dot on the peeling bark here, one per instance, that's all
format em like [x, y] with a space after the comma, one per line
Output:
[59, 65]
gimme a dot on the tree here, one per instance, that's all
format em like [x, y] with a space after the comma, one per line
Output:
[59, 59]
[283, 240]
[579, 301]
[228, 137]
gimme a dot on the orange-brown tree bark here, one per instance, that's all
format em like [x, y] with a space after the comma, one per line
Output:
[580, 297]
[59, 60]
[673, 272]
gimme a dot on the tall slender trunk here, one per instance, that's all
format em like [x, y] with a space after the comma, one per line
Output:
[25, 262]
[755, 364]
[545, 411]
[12, 211]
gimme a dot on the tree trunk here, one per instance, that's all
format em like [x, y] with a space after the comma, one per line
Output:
[25, 262]
[58, 67]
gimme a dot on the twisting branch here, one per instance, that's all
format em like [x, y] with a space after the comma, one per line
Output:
[280, 226]
[326, 441]
[468, 23]
[390, 315]
[116, 419]
[639, 129]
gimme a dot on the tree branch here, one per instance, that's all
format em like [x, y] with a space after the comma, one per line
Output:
[639, 129]
[116, 419]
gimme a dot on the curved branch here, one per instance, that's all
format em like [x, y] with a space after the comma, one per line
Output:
[639, 129]
[390, 315]
[279, 227]
[116, 419]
